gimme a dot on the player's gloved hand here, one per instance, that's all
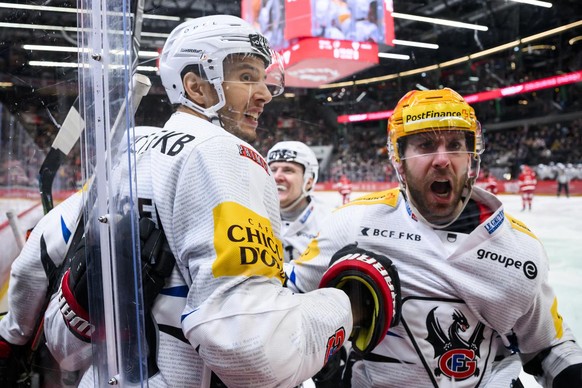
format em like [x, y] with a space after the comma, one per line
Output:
[157, 263]
[73, 296]
[157, 260]
[372, 284]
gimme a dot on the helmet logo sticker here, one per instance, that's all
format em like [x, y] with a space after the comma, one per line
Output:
[282, 154]
[260, 43]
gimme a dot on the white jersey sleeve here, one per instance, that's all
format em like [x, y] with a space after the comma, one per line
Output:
[44, 250]
[70, 352]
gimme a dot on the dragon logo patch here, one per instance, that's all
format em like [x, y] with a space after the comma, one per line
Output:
[453, 345]
[456, 356]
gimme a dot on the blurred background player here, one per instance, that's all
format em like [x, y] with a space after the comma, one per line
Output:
[344, 187]
[488, 181]
[295, 169]
[563, 180]
[527, 185]
[474, 281]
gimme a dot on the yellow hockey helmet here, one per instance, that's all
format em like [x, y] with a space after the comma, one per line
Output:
[431, 110]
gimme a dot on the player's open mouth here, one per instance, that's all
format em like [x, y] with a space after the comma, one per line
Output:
[441, 188]
[281, 188]
[252, 116]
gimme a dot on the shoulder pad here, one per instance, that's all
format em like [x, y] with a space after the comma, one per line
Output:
[386, 197]
[520, 226]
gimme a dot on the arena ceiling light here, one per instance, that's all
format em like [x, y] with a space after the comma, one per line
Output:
[84, 65]
[443, 22]
[493, 50]
[403, 57]
[49, 27]
[544, 4]
[47, 8]
[38, 27]
[400, 42]
[70, 49]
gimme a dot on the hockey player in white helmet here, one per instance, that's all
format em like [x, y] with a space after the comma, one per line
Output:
[223, 317]
[296, 169]
[476, 300]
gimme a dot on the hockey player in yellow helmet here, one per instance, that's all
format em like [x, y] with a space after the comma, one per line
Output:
[474, 281]
[435, 131]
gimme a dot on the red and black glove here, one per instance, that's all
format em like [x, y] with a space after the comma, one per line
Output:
[372, 284]
[73, 295]
[157, 262]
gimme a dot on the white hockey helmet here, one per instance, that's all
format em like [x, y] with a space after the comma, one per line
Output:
[206, 42]
[297, 152]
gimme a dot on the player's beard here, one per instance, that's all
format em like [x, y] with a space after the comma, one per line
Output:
[233, 121]
[422, 196]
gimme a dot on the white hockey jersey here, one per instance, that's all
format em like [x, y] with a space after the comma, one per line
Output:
[461, 294]
[224, 308]
[297, 234]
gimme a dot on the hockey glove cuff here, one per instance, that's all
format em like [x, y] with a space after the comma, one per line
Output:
[371, 282]
[73, 295]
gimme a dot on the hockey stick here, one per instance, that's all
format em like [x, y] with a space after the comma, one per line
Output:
[70, 132]
[73, 125]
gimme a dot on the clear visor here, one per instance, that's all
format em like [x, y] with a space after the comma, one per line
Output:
[254, 74]
[275, 75]
[452, 144]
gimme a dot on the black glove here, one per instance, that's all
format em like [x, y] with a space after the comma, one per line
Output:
[14, 366]
[372, 284]
[157, 260]
[157, 263]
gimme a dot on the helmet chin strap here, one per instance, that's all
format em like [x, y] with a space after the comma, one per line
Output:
[294, 203]
[304, 194]
[210, 113]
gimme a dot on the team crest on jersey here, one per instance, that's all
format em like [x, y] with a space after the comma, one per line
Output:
[452, 343]
[457, 356]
